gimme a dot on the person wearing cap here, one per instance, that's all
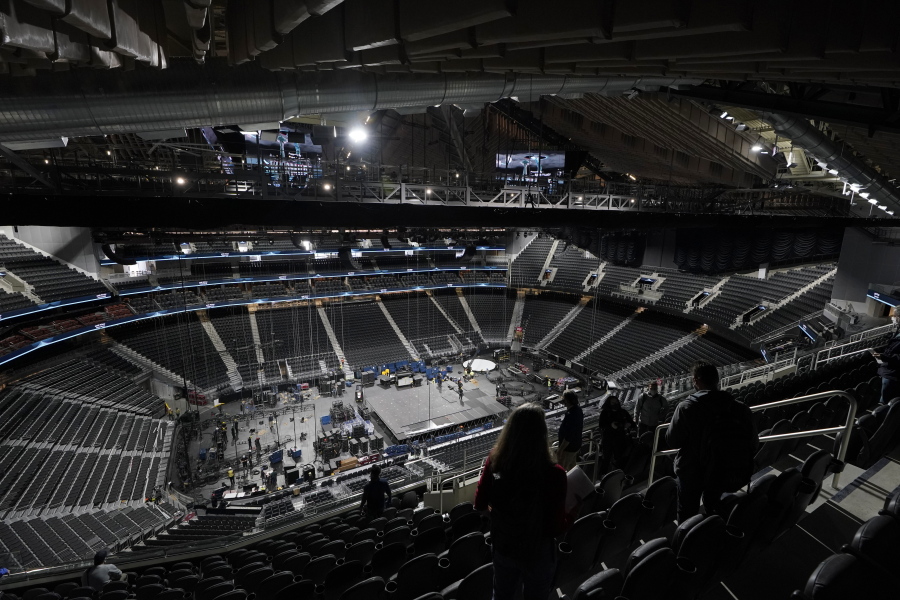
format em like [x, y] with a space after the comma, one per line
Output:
[101, 573]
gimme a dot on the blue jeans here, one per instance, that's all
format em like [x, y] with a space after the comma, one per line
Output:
[535, 572]
[890, 389]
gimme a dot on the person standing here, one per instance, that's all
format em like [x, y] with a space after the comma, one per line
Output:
[231, 476]
[258, 447]
[614, 425]
[250, 444]
[526, 494]
[716, 441]
[460, 386]
[889, 365]
[649, 409]
[376, 494]
[570, 431]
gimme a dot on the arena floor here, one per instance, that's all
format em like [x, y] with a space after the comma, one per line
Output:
[402, 414]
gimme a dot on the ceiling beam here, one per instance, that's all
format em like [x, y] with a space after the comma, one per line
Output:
[26, 166]
[832, 112]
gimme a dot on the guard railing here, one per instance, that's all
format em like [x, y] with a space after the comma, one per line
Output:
[842, 451]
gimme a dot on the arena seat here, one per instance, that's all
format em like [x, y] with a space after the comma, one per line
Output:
[605, 584]
[620, 522]
[342, 577]
[653, 577]
[388, 559]
[781, 496]
[876, 543]
[578, 553]
[432, 541]
[465, 554]
[415, 577]
[299, 590]
[892, 504]
[370, 589]
[659, 503]
[703, 545]
[612, 484]
[317, 570]
[477, 585]
[842, 576]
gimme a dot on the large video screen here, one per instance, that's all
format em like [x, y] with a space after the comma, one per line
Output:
[531, 164]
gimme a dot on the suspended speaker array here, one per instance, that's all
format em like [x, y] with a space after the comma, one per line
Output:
[111, 255]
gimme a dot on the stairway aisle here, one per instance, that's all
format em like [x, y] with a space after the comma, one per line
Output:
[409, 347]
[231, 368]
[329, 330]
[607, 336]
[518, 311]
[564, 322]
[257, 342]
[469, 313]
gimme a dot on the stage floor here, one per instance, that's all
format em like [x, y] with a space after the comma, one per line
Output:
[406, 412]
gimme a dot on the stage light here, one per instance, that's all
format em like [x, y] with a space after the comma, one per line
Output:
[271, 242]
[243, 247]
[428, 191]
[833, 171]
[882, 206]
[185, 248]
[724, 114]
[790, 161]
[46, 161]
[741, 127]
[756, 148]
[326, 187]
[890, 212]
[109, 153]
[358, 135]
[180, 180]
[457, 175]
[864, 194]
[872, 200]
[348, 167]
[633, 178]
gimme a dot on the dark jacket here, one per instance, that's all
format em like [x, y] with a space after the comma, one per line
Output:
[571, 428]
[523, 514]
[619, 416]
[692, 416]
[890, 356]
[376, 496]
[649, 408]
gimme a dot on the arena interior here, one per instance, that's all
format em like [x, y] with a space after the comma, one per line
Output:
[248, 250]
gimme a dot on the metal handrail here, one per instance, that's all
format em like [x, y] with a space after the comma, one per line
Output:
[463, 475]
[842, 451]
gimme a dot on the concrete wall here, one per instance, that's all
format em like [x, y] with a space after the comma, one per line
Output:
[70, 244]
[862, 263]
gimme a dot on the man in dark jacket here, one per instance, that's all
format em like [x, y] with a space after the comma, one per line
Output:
[690, 433]
[649, 409]
[376, 494]
[889, 366]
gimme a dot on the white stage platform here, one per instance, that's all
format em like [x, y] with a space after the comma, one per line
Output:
[480, 365]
